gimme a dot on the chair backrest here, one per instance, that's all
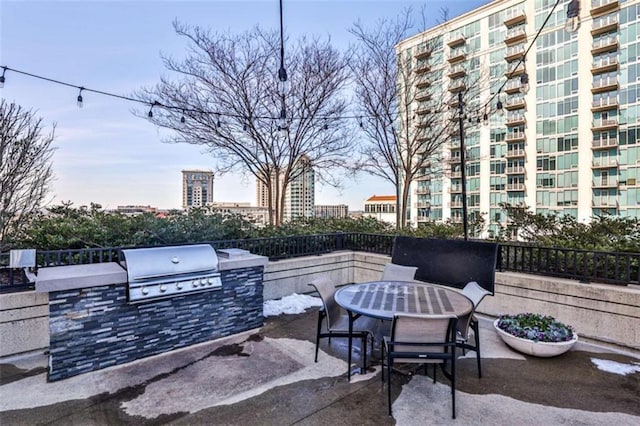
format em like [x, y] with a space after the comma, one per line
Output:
[448, 262]
[393, 272]
[475, 293]
[434, 330]
[326, 290]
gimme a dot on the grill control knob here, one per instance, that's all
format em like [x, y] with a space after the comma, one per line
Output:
[145, 290]
[203, 281]
[212, 281]
[163, 288]
[195, 283]
[179, 286]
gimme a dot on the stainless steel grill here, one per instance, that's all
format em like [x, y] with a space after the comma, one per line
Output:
[161, 272]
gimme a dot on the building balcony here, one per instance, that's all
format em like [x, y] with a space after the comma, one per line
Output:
[422, 82]
[604, 143]
[422, 69]
[515, 187]
[423, 95]
[605, 183]
[514, 136]
[604, 24]
[604, 163]
[456, 204]
[604, 104]
[512, 86]
[598, 7]
[604, 85]
[515, 103]
[422, 52]
[606, 64]
[514, 119]
[456, 174]
[455, 189]
[515, 170]
[514, 69]
[422, 191]
[423, 205]
[456, 40]
[515, 153]
[424, 110]
[514, 52]
[514, 17]
[515, 35]
[456, 55]
[605, 203]
[604, 124]
[456, 71]
[604, 44]
[457, 86]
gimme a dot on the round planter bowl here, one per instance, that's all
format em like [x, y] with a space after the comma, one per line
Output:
[529, 347]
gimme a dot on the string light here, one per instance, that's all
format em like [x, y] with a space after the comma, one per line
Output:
[80, 102]
[524, 83]
[4, 70]
[150, 114]
[218, 121]
[573, 16]
[182, 119]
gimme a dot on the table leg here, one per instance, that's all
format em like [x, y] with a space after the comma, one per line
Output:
[351, 319]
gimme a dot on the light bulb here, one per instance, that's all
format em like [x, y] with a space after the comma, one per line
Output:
[524, 83]
[499, 108]
[485, 119]
[80, 100]
[573, 16]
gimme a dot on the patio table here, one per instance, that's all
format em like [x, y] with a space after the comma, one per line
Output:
[383, 299]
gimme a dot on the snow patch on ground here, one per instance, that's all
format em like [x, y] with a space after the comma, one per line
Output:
[616, 367]
[292, 304]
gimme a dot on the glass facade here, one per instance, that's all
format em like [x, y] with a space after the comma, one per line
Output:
[570, 145]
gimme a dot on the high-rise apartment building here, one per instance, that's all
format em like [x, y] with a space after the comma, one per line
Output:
[197, 188]
[299, 196]
[570, 145]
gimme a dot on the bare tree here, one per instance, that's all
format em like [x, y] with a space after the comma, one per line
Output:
[408, 117]
[25, 167]
[228, 98]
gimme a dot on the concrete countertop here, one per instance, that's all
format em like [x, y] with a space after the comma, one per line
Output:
[69, 277]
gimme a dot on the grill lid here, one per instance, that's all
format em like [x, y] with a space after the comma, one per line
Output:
[159, 262]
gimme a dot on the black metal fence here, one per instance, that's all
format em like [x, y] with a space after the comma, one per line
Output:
[618, 268]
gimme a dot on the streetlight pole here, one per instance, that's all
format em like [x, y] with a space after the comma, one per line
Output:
[463, 172]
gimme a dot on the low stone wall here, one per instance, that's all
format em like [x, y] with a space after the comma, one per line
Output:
[603, 313]
[24, 322]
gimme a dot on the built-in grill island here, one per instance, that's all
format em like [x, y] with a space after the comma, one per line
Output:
[153, 301]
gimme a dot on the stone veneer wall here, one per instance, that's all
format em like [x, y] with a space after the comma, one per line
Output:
[94, 328]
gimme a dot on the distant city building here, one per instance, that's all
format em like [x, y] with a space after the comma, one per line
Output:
[299, 196]
[197, 188]
[257, 215]
[135, 210]
[381, 207]
[327, 211]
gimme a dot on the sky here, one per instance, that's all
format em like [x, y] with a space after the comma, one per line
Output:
[106, 155]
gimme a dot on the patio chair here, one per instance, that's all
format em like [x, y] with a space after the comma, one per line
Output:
[393, 272]
[422, 339]
[475, 293]
[337, 319]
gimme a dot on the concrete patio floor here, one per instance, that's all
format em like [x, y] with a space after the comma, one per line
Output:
[268, 377]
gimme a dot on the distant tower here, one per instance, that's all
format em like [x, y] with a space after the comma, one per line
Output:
[299, 199]
[197, 188]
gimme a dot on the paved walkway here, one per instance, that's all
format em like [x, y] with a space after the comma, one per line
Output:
[268, 377]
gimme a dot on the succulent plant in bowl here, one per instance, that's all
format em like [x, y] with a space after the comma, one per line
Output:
[535, 334]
